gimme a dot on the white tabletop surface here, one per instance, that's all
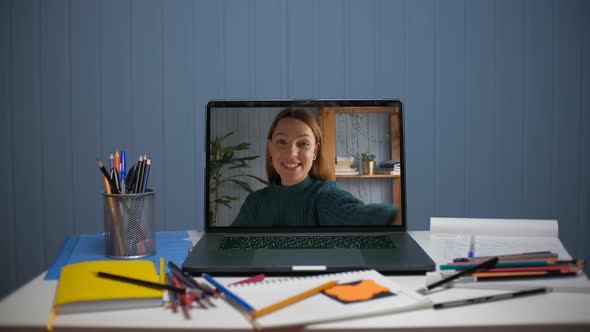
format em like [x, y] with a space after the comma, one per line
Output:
[27, 309]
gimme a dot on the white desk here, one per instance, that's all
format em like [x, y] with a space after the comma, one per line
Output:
[27, 309]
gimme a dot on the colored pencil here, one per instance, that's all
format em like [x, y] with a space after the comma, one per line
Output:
[462, 266]
[484, 265]
[229, 293]
[293, 299]
[491, 298]
[256, 278]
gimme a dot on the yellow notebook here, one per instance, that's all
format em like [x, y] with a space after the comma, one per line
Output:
[79, 289]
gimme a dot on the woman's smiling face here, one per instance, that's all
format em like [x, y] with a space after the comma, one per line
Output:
[293, 149]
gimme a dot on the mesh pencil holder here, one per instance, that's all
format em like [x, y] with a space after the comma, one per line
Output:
[129, 225]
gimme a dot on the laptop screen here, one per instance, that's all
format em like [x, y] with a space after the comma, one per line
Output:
[362, 149]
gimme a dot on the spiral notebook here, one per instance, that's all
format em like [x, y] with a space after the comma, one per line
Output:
[357, 294]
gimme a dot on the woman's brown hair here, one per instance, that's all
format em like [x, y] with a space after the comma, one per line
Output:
[319, 169]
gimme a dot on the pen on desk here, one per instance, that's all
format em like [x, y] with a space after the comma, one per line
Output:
[229, 293]
[144, 283]
[189, 278]
[520, 274]
[521, 256]
[485, 265]
[293, 299]
[188, 283]
[185, 300]
[491, 298]
[183, 275]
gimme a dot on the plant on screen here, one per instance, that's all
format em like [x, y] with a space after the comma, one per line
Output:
[223, 159]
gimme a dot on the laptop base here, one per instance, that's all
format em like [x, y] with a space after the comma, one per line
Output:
[406, 258]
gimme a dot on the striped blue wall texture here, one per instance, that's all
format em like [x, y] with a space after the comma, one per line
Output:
[496, 93]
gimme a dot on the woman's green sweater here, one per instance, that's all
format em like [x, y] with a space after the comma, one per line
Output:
[310, 203]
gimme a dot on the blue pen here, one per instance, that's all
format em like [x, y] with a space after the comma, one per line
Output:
[228, 293]
[123, 163]
[471, 252]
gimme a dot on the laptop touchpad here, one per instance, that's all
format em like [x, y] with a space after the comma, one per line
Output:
[327, 257]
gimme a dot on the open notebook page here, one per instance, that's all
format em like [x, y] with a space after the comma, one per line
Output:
[322, 308]
[452, 237]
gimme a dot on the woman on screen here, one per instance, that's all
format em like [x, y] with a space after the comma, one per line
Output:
[302, 191]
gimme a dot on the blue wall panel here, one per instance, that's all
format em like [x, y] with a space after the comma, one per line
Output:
[116, 100]
[27, 139]
[538, 99]
[301, 33]
[481, 159]
[56, 119]
[331, 52]
[419, 112]
[567, 125]
[7, 203]
[87, 130]
[237, 47]
[449, 109]
[390, 55]
[495, 93]
[267, 50]
[177, 187]
[508, 116]
[582, 225]
[361, 47]
[147, 112]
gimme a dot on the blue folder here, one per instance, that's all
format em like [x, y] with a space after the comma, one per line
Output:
[173, 246]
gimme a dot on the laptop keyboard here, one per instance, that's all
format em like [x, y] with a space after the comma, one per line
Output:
[306, 242]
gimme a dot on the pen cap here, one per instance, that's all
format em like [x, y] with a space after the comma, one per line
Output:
[129, 222]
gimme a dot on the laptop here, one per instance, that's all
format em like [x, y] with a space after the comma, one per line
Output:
[236, 136]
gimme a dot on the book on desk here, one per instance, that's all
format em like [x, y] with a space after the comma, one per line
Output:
[79, 289]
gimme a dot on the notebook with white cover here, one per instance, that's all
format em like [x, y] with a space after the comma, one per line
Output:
[389, 298]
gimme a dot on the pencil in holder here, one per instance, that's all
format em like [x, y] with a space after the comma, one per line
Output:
[129, 225]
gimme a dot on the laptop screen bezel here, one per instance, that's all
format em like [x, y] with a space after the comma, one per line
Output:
[283, 103]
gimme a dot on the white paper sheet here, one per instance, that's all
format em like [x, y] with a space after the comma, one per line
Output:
[495, 227]
[450, 237]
